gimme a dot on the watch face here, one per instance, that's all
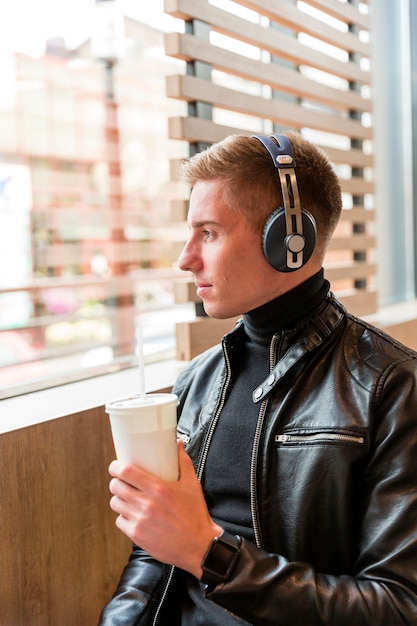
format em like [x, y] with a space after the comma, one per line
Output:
[220, 559]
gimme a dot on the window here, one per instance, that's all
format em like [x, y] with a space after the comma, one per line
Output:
[86, 247]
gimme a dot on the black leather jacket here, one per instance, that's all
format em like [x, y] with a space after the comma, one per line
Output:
[334, 483]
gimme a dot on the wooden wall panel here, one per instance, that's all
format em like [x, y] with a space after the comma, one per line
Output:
[303, 72]
[61, 554]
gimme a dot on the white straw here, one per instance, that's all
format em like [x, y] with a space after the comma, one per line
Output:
[141, 363]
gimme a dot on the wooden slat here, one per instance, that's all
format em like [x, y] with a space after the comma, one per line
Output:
[354, 242]
[185, 291]
[191, 89]
[357, 186]
[188, 47]
[359, 301]
[288, 15]
[357, 215]
[353, 157]
[354, 270]
[344, 11]
[196, 336]
[196, 129]
[284, 46]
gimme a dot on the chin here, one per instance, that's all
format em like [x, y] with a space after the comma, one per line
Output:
[220, 315]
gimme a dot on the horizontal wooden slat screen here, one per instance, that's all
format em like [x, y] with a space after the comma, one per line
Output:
[271, 65]
[185, 47]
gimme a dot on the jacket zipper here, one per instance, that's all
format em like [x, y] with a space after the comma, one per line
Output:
[255, 449]
[319, 436]
[216, 417]
[201, 466]
[164, 594]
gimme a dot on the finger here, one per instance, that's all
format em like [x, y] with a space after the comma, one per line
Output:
[123, 524]
[119, 488]
[116, 504]
[117, 468]
[128, 508]
[120, 507]
[132, 475]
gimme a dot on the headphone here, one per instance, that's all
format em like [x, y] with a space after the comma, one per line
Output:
[289, 234]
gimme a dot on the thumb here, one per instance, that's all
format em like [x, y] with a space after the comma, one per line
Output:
[186, 467]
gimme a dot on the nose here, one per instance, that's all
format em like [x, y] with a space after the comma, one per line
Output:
[189, 257]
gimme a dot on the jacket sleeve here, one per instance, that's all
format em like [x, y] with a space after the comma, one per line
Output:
[268, 590]
[137, 595]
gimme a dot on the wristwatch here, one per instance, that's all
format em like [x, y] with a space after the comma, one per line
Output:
[220, 558]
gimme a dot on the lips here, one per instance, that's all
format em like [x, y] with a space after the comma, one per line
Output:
[202, 288]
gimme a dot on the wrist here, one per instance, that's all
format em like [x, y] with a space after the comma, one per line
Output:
[203, 542]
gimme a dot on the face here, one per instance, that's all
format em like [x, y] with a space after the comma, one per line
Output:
[225, 256]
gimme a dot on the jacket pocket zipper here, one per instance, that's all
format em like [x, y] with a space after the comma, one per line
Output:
[184, 435]
[319, 437]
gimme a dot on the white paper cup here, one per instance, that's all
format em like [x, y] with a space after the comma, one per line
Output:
[144, 432]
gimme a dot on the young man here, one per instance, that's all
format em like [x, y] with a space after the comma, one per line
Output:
[297, 497]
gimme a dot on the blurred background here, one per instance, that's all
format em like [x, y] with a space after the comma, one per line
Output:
[85, 234]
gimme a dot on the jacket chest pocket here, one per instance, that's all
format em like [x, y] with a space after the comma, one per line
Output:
[318, 473]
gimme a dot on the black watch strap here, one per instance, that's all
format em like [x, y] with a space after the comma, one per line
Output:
[220, 558]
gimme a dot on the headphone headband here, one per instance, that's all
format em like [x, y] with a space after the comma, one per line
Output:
[298, 245]
[281, 152]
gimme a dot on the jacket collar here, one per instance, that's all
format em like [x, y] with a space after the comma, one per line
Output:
[319, 328]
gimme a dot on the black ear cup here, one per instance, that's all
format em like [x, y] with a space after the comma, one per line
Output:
[279, 248]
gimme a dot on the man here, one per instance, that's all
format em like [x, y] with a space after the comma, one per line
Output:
[297, 497]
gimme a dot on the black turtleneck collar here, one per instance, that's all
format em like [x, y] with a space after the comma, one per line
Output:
[287, 310]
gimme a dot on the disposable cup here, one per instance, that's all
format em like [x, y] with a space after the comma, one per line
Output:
[144, 432]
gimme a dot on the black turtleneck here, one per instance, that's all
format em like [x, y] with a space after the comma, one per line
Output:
[285, 312]
[226, 478]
